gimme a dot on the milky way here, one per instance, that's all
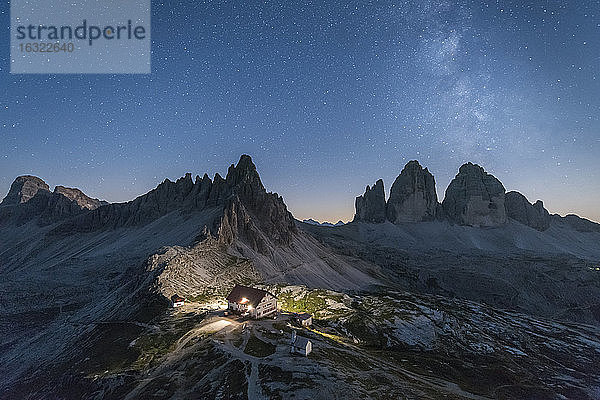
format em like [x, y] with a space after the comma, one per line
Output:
[327, 97]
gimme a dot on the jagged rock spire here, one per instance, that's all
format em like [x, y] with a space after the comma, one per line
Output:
[412, 196]
[244, 172]
[370, 207]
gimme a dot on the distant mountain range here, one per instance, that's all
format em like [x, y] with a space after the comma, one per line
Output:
[313, 222]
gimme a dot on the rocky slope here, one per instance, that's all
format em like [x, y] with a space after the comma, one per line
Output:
[380, 345]
[551, 273]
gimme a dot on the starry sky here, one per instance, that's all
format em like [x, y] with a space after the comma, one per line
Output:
[327, 97]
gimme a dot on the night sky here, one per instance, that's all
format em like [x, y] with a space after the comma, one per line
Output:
[326, 97]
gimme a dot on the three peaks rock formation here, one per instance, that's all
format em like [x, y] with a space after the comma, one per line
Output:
[473, 198]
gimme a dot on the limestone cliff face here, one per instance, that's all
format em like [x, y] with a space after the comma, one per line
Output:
[520, 209]
[79, 197]
[23, 189]
[250, 213]
[370, 207]
[475, 198]
[412, 196]
[29, 197]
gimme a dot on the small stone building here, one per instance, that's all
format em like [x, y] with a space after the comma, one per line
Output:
[300, 345]
[304, 319]
[177, 301]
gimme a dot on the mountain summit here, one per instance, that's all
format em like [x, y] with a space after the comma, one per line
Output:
[251, 213]
[23, 189]
[520, 209]
[370, 207]
[475, 198]
[412, 196]
[30, 198]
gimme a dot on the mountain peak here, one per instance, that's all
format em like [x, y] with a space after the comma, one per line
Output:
[413, 164]
[533, 215]
[24, 188]
[412, 197]
[370, 207]
[79, 197]
[246, 161]
[469, 167]
[475, 198]
[244, 172]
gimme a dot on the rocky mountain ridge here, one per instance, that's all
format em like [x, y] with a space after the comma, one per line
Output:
[473, 198]
[311, 221]
[241, 205]
[30, 197]
[26, 187]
